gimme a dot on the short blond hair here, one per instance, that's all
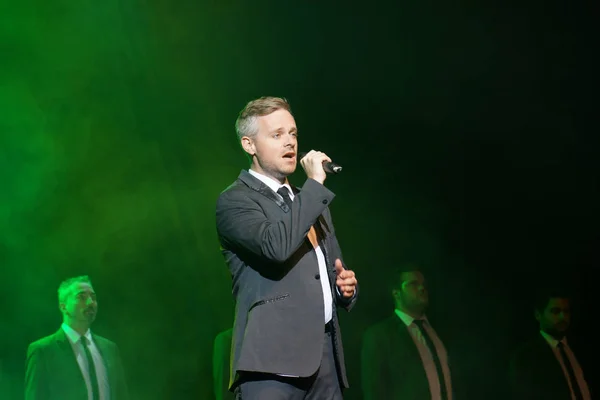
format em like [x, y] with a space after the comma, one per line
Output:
[245, 125]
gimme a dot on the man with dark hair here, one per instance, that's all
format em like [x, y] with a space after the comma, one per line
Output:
[546, 367]
[286, 264]
[402, 357]
[74, 363]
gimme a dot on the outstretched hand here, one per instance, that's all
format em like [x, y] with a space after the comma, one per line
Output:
[346, 280]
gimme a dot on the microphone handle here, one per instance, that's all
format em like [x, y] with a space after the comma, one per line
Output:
[329, 167]
[332, 168]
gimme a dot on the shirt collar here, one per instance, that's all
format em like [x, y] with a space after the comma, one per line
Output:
[270, 182]
[407, 319]
[73, 335]
[552, 341]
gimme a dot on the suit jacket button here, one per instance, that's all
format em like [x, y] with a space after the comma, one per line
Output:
[317, 276]
[325, 201]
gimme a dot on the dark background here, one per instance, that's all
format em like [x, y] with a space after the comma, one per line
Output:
[466, 133]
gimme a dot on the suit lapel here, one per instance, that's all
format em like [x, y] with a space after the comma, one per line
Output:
[409, 344]
[105, 353]
[551, 365]
[68, 362]
[258, 186]
[324, 238]
[407, 359]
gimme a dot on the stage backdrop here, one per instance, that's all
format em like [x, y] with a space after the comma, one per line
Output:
[464, 131]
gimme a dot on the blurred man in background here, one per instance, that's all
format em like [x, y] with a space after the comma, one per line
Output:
[546, 367]
[402, 357]
[74, 363]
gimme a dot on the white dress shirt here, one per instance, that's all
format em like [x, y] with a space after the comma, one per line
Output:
[327, 295]
[75, 340]
[585, 392]
[427, 358]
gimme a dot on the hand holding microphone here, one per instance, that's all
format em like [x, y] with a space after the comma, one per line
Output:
[316, 164]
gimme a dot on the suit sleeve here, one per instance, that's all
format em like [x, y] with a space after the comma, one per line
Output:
[373, 372]
[242, 223]
[36, 379]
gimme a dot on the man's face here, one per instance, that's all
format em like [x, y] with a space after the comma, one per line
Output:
[556, 317]
[80, 303]
[274, 145]
[413, 294]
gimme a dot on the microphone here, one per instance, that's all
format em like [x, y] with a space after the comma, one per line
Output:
[329, 167]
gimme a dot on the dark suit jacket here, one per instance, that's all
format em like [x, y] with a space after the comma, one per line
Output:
[221, 361]
[391, 364]
[536, 374]
[279, 315]
[54, 374]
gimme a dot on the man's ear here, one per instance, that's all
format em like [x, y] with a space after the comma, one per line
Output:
[248, 145]
[537, 314]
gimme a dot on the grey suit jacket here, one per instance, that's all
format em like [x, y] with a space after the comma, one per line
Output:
[54, 374]
[279, 315]
[391, 366]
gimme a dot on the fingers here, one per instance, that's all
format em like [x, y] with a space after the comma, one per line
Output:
[339, 267]
[312, 163]
[346, 282]
[346, 275]
[316, 156]
[347, 290]
[342, 272]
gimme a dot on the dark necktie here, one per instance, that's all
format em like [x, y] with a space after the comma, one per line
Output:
[285, 193]
[434, 355]
[570, 372]
[91, 369]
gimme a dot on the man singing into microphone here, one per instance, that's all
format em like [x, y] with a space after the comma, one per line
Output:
[286, 265]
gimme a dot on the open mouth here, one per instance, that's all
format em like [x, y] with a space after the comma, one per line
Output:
[290, 155]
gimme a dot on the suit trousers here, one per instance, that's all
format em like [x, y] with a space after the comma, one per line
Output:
[323, 385]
